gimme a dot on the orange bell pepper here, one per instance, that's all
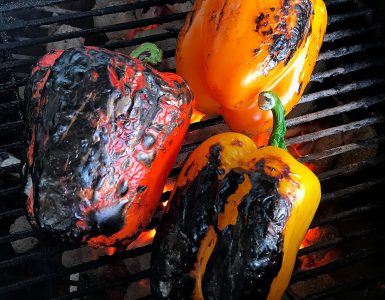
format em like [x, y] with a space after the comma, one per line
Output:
[236, 219]
[229, 51]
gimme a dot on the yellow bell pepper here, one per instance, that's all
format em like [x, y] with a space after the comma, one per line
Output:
[236, 218]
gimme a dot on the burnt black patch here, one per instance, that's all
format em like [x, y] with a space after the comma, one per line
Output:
[108, 220]
[193, 209]
[221, 13]
[252, 249]
[122, 188]
[141, 189]
[300, 88]
[261, 21]
[267, 32]
[285, 43]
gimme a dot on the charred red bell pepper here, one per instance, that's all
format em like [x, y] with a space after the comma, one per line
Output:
[229, 51]
[103, 131]
[235, 220]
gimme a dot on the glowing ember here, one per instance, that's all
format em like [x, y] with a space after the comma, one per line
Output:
[311, 236]
[133, 32]
[295, 151]
[318, 258]
[110, 250]
[144, 239]
[168, 186]
[165, 203]
[197, 116]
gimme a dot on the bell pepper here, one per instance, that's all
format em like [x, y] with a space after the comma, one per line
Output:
[103, 132]
[229, 51]
[236, 218]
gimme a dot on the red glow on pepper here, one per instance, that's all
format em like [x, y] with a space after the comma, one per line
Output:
[261, 139]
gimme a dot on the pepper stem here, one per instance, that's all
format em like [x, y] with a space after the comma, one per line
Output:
[270, 101]
[148, 53]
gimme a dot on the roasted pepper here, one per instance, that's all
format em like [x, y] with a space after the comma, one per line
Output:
[103, 131]
[236, 219]
[229, 51]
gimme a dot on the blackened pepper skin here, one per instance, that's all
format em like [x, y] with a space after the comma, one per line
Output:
[103, 131]
[247, 255]
[236, 218]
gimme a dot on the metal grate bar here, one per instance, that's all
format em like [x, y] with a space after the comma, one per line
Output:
[340, 34]
[18, 63]
[361, 282]
[96, 12]
[349, 15]
[206, 123]
[76, 269]
[86, 32]
[362, 103]
[339, 240]
[9, 105]
[336, 2]
[352, 190]
[25, 258]
[138, 41]
[22, 4]
[338, 264]
[311, 137]
[19, 24]
[11, 125]
[115, 27]
[350, 68]
[350, 169]
[114, 45]
[12, 213]
[17, 236]
[90, 290]
[9, 191]
[9, 169]
[12, 84]
[344, 215]
[357, 85]
[119, 44]
[347, 50]
[343, 149]
[12, 146]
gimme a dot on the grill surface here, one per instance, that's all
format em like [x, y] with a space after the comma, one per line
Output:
[344, 102]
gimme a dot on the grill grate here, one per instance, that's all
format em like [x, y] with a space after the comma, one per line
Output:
[346, 93]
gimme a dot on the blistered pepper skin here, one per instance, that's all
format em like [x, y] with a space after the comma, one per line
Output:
[234, 222]
[103, 131]
[231, 50]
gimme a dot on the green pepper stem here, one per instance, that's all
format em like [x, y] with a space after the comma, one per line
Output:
[148, 53]
[270, 101]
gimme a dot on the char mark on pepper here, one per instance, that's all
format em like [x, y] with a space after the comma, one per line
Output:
[252, 248]
[98, 120]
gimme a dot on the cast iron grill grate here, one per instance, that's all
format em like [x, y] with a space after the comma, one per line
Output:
[339, 123]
